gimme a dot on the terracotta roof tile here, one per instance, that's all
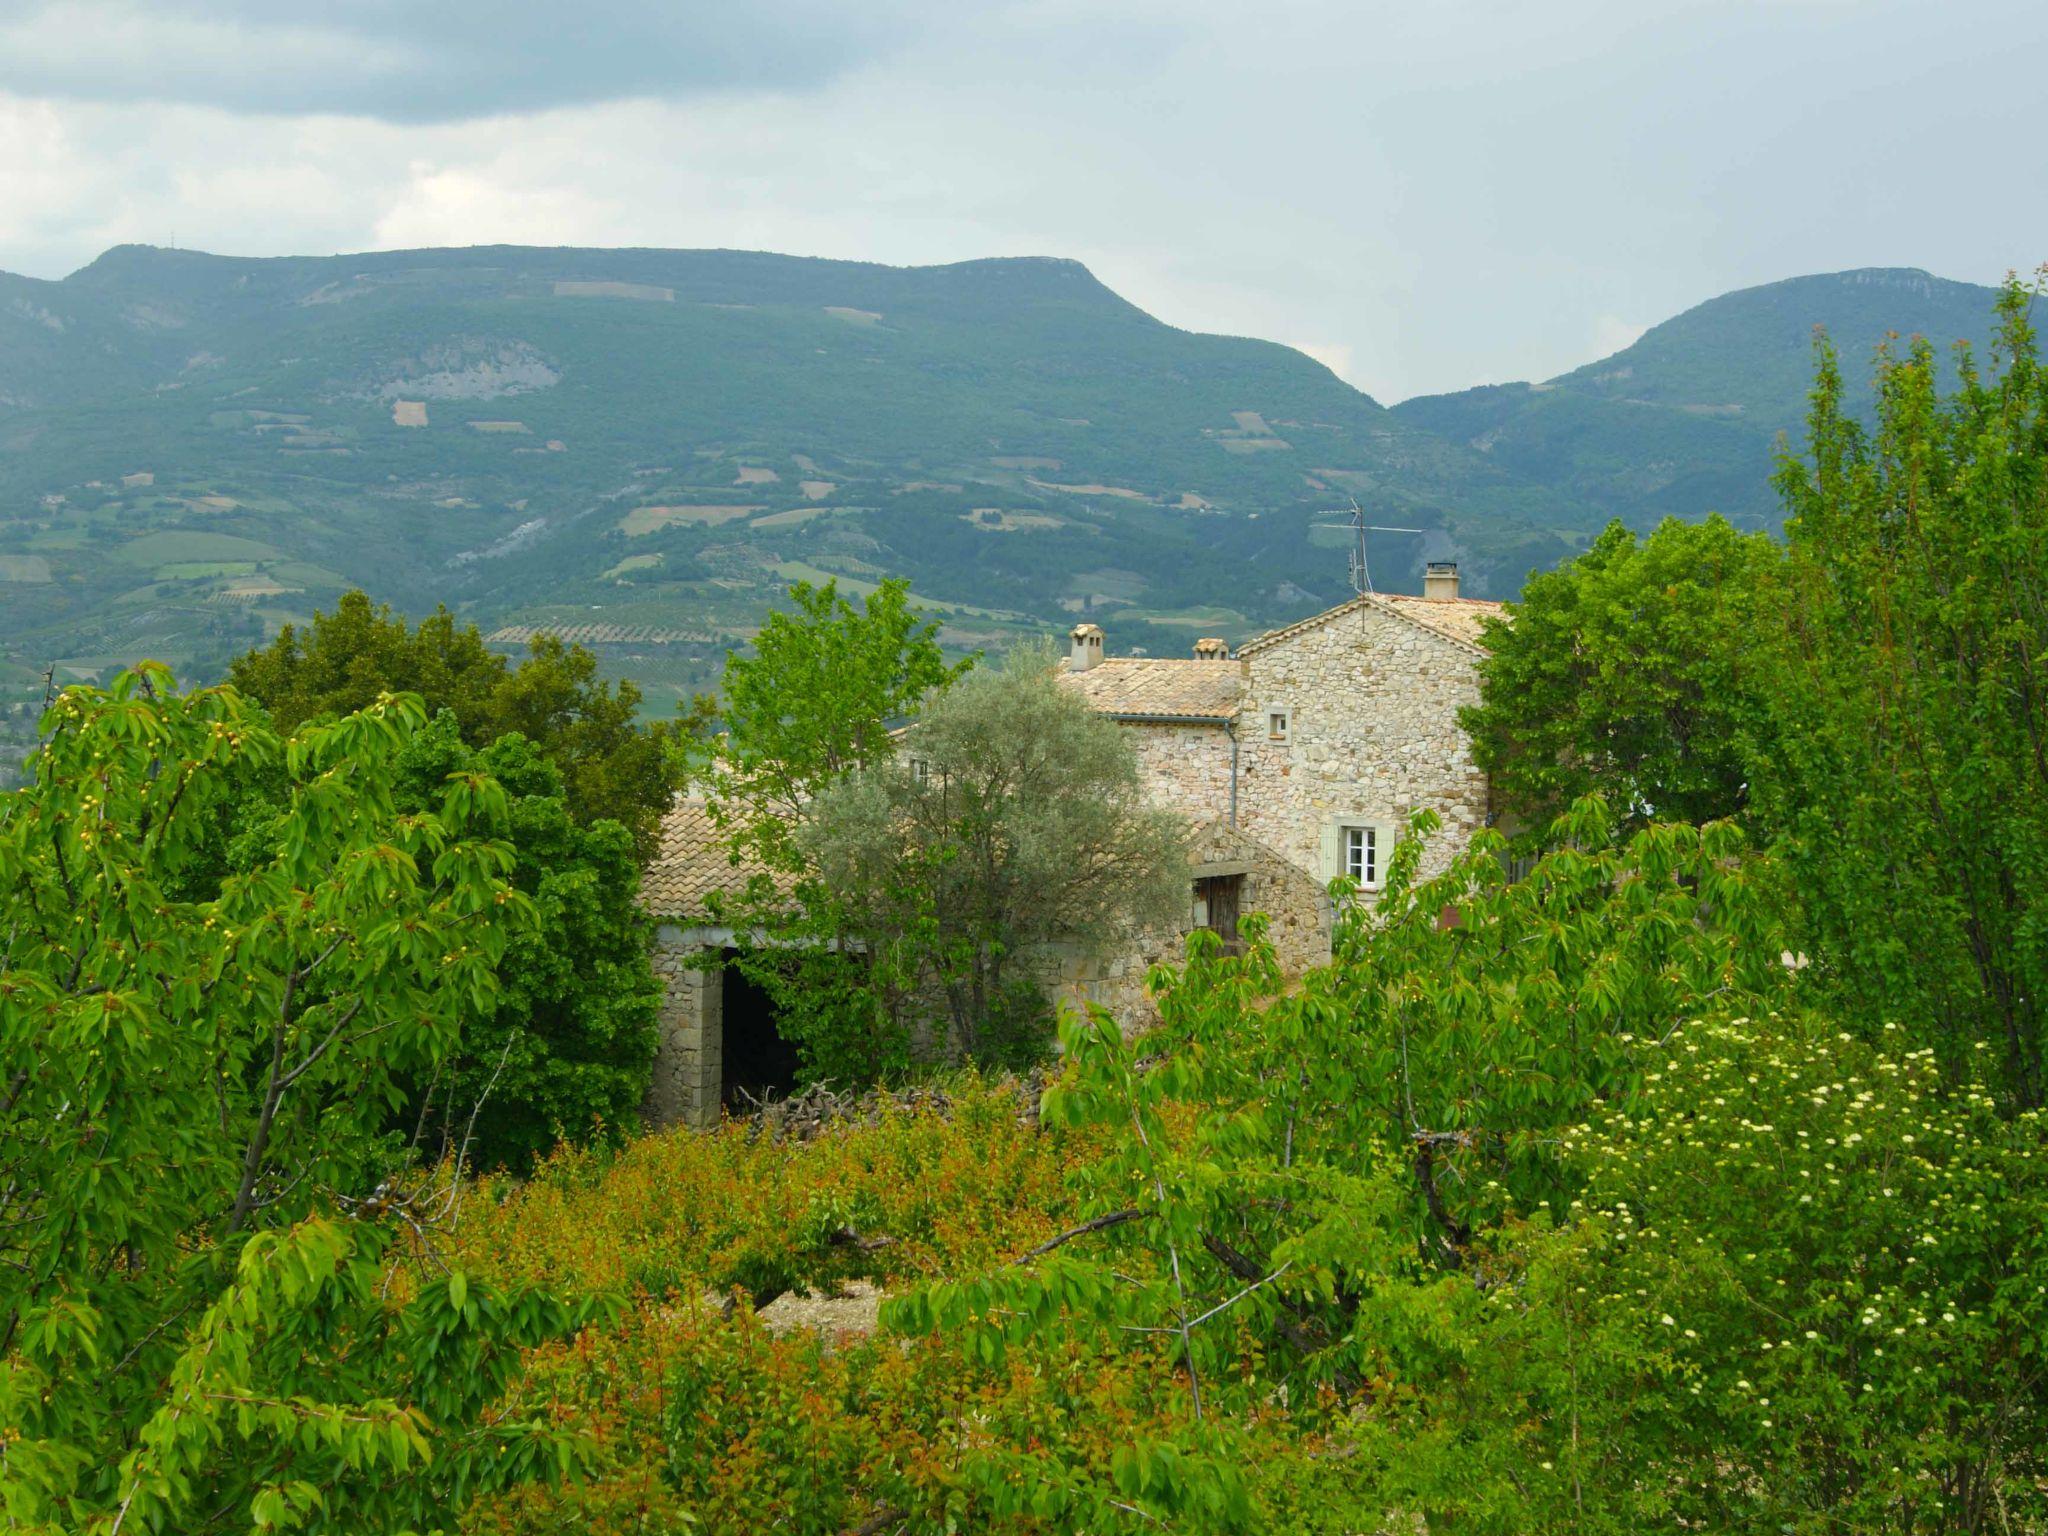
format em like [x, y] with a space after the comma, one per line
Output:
[694, 861]
[1458, 619]
[1462, 618]
[1159, 688]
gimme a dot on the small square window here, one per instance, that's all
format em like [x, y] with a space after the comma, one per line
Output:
[920, 770]
[1279, 723]
[1362, 855]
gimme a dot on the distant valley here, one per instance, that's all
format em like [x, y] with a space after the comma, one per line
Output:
[640, 449]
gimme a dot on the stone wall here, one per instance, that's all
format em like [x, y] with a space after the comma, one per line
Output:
[1114, 981]
[1373, 734]
[689, 1063]
[1294, 902]
[1186, 767]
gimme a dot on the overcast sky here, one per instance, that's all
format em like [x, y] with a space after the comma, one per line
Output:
[1423, 194]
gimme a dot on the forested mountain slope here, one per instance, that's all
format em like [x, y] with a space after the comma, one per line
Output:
[1685, 420]
[641, 448]
[652, 443]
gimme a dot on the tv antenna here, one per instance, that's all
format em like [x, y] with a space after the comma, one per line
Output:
[1361, 572]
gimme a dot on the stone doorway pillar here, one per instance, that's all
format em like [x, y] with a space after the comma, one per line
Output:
[689, 1063]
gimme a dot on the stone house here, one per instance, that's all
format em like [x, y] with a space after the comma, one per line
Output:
[690, 1085]
[1307, 751]
[1297, 760]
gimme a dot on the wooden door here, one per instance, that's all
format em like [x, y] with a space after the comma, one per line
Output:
[1222, 897]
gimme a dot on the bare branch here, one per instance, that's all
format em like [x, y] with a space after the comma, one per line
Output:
[1225, 1306]
[1095, 1224]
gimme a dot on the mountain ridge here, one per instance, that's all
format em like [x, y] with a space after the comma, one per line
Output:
[648, 442]
[1687, 418]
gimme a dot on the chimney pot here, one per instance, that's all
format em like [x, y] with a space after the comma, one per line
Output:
[1440, 581]
[1210, 648]
[1087, 647]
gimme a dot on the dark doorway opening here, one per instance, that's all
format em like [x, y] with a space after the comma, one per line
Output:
[1218, 900]
[758, 1061]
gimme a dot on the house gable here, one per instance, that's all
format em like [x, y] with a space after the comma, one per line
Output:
[1459, 620]
[1369, 696]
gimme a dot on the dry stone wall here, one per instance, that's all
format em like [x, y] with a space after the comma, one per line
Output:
[1293, 901]
[1185, 767]
[689, 1063]
[1372, 703]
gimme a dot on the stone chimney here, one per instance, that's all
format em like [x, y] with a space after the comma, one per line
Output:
[1440, 581]
[1212, 649]
[1087, 650]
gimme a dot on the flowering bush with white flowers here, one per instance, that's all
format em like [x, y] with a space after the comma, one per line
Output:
[1805, 1287]
[1858, 1250]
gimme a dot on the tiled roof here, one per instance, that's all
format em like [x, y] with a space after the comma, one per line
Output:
[1461, 618]
[1458, 619]
[694, 861]
[1159, 688]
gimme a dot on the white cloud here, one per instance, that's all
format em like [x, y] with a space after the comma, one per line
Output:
[1435, 195]
[459, 207]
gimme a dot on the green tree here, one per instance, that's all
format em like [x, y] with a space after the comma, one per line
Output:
[613, 766]
[344, 660]
[571, 1045]
[568, 1047]
[1635, 672]
[200, 1214]
[1909, 785]
[1017, 821]
[1801, 1289]
[816, 700]
[1282, 1179]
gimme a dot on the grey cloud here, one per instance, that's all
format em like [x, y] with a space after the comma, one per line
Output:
[1434, 194]
[438, 61]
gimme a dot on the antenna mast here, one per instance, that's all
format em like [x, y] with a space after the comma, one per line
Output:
[1361, 571]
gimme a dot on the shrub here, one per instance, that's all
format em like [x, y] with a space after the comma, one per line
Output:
[1803, 1290]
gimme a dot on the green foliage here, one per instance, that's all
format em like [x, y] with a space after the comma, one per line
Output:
[1910, 786]
[1273, 1164]
[1802, 1289]
[1545, 1208]
[1016, 821]
[198, 1201]
[1570, 1203]
[571, 1042]
[568, 1046]
[345, 659]
[923, 882]
[1633, 672]
[1485, 1013]
[612, 766]
[815, 701]
[1850, 1251]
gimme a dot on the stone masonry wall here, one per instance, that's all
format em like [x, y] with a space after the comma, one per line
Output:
[1373, 701]
[689, 1063]
[1297, 908]
[1373, 735]
[1293, 901]
[1185, 767]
